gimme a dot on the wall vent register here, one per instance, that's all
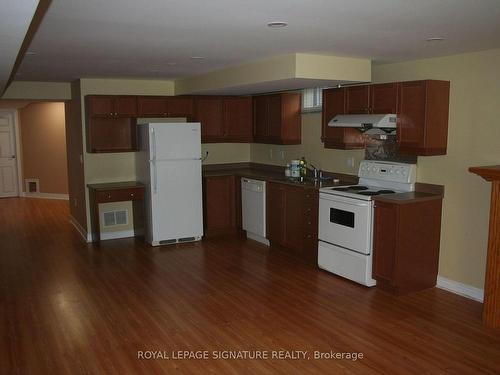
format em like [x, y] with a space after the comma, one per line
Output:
[112, 218]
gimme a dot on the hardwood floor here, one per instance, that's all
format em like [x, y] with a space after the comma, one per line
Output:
[68, 307]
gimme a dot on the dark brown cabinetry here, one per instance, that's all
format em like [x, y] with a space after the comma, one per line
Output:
[111, 123]
[334, 103]
[292, 219]
[384, 98]
[238, 118]
[224, 119]
[358, 99]
[111, 106]
[406, 245]
[423, 117]
[277, 118]
[165, 106]
[222, 205]
[421, 106]
[208, 111]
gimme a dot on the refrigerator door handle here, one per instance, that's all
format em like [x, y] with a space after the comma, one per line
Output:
[155, 178]
[153, 143]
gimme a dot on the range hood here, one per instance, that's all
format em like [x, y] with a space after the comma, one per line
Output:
[364, 122]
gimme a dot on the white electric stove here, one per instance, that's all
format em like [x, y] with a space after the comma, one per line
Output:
[346, 218]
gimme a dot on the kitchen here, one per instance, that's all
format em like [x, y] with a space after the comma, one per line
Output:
[227, 281]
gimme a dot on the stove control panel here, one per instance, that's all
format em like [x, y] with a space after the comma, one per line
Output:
[388, 171]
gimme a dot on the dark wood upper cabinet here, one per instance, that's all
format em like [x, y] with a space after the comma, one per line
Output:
[277, 118]
[180, 106]
[165, 106]
[224, 118]
[111, 123]
[238, 118]
[260, 116]
[358, 99]
[151, 106]
[423, 117]
[384, 98]
[209, 112]
[405, 247]
[334, 103]
[422, 108]
[111, 106]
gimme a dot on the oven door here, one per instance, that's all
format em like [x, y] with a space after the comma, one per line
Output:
[346, 222]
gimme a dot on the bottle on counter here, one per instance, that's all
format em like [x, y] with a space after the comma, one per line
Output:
[295, 168]
[303, 166]
[288, 171]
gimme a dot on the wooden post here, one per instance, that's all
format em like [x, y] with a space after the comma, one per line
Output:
[491, 307]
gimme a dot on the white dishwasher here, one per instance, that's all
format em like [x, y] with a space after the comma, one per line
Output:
[253, 209]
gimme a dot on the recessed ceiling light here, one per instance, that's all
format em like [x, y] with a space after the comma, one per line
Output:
[277, 24]
[435, 39]
[197, 57]
[30, 53]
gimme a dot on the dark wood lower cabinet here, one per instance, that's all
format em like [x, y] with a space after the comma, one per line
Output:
[406, 245]
[222, 205]
[292, 219]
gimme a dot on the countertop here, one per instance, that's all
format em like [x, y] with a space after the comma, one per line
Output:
[116, 185]
[405, 198]
[273, 173]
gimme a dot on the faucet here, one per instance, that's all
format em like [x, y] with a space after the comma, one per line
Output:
[317, 173]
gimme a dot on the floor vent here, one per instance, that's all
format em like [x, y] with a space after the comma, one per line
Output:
[166, 242]
[111, 218]
[32, 185]
[187, 239]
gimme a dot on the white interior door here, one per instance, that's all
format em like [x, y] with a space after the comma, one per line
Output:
[8, 155]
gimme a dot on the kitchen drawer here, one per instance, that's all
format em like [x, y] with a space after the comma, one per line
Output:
[120, 195]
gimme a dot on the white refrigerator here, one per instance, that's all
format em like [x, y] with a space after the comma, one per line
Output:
[168, 163]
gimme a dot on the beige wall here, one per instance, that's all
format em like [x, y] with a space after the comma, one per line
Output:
[288, 71]
[38, 90]
[473, 139]
[43, 144]
[311, 148]
[219, 153]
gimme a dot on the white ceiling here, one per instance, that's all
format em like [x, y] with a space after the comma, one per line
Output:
[127, 38]
[15, 18]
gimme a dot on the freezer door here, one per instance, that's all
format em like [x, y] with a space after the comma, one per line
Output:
[175, 141]
[176, 200]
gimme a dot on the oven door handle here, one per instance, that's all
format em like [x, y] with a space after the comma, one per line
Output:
[350, 203]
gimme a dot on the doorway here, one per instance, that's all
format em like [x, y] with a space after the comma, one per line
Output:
[9, 167]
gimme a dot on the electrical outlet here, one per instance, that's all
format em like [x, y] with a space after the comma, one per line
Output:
[282, 154]
[350, 162]
[271, 153]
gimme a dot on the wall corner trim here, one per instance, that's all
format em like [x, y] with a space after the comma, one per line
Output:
[86, 236]
[462, 289]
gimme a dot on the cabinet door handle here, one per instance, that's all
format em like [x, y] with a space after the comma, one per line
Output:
[132, 194]
[309, 236]
[308, 195]
[109, 196]
[308, 210]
